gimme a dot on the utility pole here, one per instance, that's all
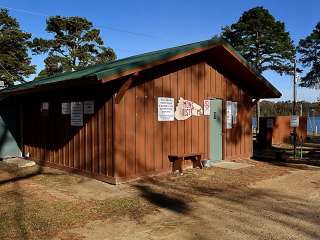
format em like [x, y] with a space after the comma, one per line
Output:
[294, 108]
[258, 102]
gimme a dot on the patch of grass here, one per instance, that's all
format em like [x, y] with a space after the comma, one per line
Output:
[215, 181]
[32, 218]
[29, 215]
[133, 207]
[56, 179]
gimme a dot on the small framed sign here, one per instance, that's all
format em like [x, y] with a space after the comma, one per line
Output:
[44, 109]
[76, 114]
[206, 107]
[234, 110]
[44, 106]
[88, 107]
[294, 121]
[165, 109]
[65, 108]
[229, 114]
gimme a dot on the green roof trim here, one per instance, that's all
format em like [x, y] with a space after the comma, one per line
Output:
[103, 70]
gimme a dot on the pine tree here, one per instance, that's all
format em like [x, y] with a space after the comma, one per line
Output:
[309, 49]
[75, 44]
[15, 64]
[262, 41]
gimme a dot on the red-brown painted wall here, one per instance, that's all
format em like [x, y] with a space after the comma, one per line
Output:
[51, 140]
[280, 133]
[124, 141]
[142, 143]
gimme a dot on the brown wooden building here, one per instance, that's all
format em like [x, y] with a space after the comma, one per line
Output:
[107, 122]
[277, 130]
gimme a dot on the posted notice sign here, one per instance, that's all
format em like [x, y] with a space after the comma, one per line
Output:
[234, 112]
[294, 121]
[229, 114]
[65, 108]
[206, 107]
[76, 114]
[88, 107]
[165, 109]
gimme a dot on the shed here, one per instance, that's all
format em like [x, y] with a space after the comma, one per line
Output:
[118, 121]
[277, 130]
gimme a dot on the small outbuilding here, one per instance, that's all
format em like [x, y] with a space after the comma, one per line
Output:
[278, 130]
[120, 120]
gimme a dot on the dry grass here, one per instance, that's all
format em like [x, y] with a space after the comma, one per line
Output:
[38, 219]
[28, 214]
[29, 211]
[217, 180]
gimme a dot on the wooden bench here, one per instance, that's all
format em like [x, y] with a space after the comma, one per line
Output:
[177, 160]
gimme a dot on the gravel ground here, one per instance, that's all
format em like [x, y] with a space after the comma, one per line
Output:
[263, 201]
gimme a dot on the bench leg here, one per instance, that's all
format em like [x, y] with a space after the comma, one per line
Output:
[177, 165]
[197, 162]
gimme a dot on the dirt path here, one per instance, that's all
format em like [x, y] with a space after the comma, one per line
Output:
[285, 207]
[261, 201]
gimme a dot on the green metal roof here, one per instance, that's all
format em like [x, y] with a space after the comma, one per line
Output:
[99, 71]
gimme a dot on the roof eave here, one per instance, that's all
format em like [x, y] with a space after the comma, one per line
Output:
[108, 75]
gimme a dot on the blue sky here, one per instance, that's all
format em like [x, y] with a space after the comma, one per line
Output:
[133, 27]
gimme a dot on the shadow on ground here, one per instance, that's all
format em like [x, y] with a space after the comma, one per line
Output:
[244, 210]
[163, 200]
[201, 203]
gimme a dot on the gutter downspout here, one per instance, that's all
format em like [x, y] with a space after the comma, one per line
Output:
[21, 130]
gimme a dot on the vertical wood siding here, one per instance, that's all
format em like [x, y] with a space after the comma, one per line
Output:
[51, 140]
[281, 131]
[125, 140]
[145, 143]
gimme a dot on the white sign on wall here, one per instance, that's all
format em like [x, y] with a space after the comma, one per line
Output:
[44, 106]
[186, 109]
[206, 107]
[65, 108]
[229, 114]
[234, 112]
[88, 107]
[165, 109]
[294, 121]
[183, 109]
[76, 114]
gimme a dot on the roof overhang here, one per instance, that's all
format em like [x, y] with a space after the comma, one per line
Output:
[245, 75]
[220, 50]
[233, 62]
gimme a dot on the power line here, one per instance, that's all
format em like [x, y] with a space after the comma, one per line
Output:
[130, 32]
[99, 26]
[25, 11]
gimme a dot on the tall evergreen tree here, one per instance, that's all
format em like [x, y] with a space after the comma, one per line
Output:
[15, 64]
[309, 49]
[75, 44]
[262, 40]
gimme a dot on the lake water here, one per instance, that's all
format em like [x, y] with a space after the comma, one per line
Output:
[313, 123]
